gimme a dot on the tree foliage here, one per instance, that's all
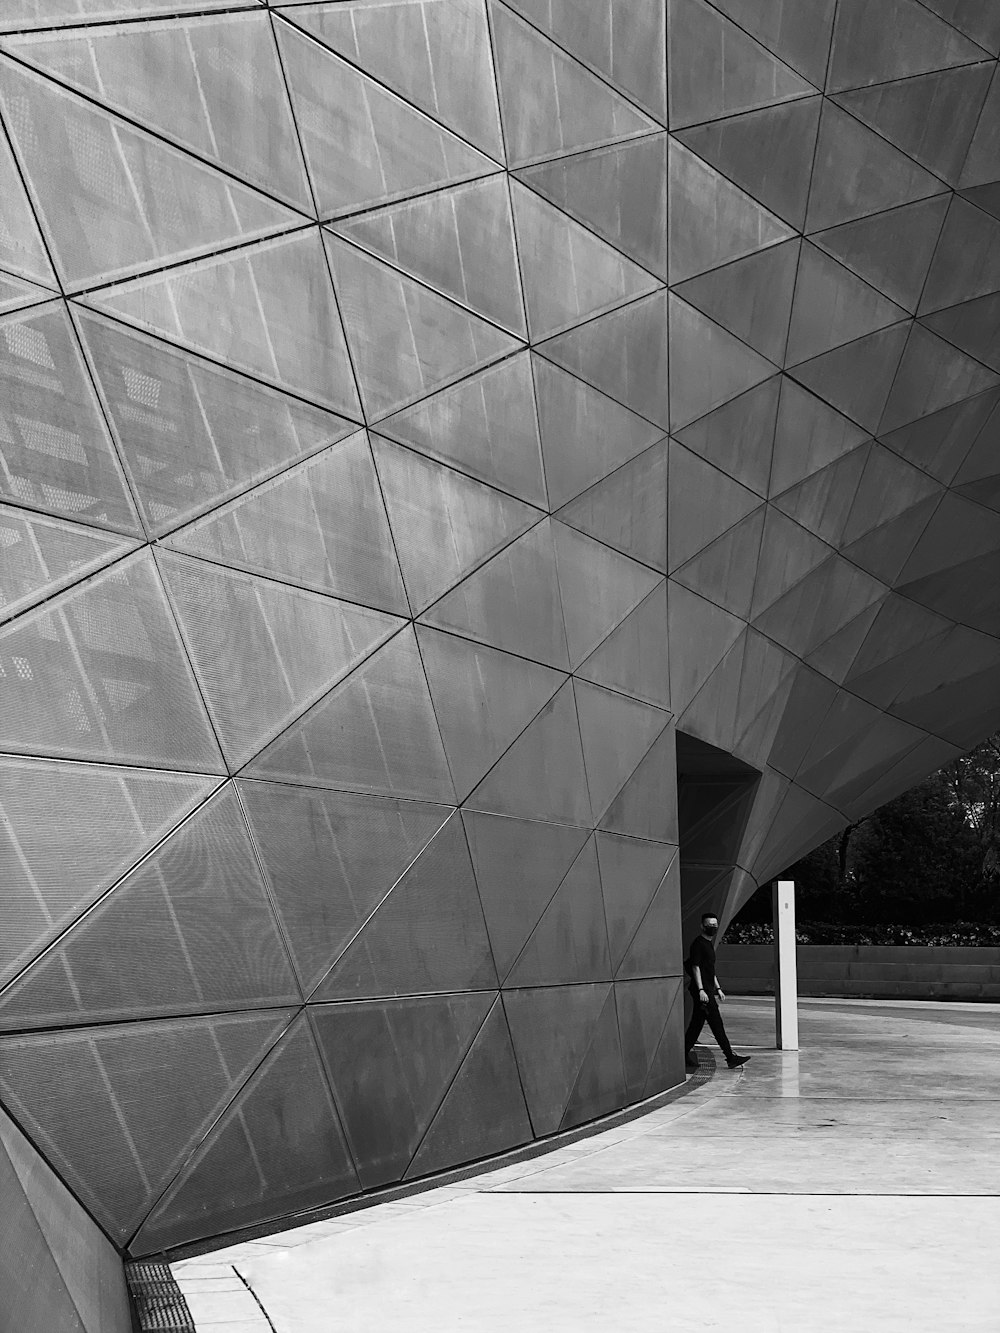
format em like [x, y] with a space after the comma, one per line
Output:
[930, 855]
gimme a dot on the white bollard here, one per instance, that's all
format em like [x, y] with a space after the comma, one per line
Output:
[786, 1014]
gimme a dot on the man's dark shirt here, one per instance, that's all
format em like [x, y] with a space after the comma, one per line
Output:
[702, 955]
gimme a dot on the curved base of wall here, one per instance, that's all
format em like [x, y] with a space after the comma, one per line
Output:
[392, 1193]
[349, 1099]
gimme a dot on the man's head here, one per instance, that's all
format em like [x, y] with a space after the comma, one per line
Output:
[709, 924]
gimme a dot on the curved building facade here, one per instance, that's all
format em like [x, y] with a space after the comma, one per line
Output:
[481, 481]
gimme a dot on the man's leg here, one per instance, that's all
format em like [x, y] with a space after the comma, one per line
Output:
[714, 1018]
[694, 1027]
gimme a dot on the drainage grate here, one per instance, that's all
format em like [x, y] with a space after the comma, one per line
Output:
[159, 1303]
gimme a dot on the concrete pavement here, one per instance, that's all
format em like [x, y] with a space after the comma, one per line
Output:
[854, 1185]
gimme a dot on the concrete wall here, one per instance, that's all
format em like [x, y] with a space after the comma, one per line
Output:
[885, 971]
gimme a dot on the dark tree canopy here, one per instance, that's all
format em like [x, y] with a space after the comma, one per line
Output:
[930, 855]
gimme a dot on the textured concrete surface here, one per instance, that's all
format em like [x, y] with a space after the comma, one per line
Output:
[852, 1185]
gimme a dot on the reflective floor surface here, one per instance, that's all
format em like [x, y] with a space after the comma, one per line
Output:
[850, 1187]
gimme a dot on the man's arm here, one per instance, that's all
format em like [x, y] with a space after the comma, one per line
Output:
[696, 974]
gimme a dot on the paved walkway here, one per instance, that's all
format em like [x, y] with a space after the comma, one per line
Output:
[849, 1188]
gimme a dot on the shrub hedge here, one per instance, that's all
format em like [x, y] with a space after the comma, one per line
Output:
[819, 932]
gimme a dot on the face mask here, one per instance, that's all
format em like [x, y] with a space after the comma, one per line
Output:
[711, 930]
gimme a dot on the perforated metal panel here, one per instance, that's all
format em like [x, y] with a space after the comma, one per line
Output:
[631, 872]
[42, 555]
[444, 524]
[230, 104]
[406, 340]
[69, 831]
[56, 451]
[101, 674]
[292, 235]
[427, 935]
[107, 1107]
[389, 1062]
[413, 49]
[330, 858]
[266, 309]
[21, 249]
[321, 525]
[188, 932]
[485, 425]
[542, 775]
[633, 658]
[569, 274]
[585, 434]
[549, 103]
[278, 1149]
[483, 699]
[625, 354]
[600, 1084]
[375, 732]
[646, 805]
[16, 293]
[657, 947]
[483, 1111]
[459, 241]
[193, 433]
[41, 13]
[616, 734]
[519, 865]
[570, 941]
[644, 1010]
[115, 199]
[552, 1028]
[364, 146]
[628, 509]
[265, 651]
[599, 588]
[619, 191]
[512, 602]
[666, 1069]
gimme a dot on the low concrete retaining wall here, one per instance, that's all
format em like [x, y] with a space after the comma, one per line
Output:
[901, 972]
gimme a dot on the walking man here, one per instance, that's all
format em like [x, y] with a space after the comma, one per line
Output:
[707, 994]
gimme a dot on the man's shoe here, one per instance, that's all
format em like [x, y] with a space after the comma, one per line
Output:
[735, 1061]
[691, 1061]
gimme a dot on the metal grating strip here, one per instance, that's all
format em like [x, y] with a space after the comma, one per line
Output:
[159, 1303]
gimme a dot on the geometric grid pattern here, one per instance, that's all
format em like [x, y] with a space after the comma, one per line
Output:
[416, 414]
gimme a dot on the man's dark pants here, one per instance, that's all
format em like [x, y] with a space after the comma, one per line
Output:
[707, 1013]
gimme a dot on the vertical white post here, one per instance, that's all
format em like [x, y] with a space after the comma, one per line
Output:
[786, 1014]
